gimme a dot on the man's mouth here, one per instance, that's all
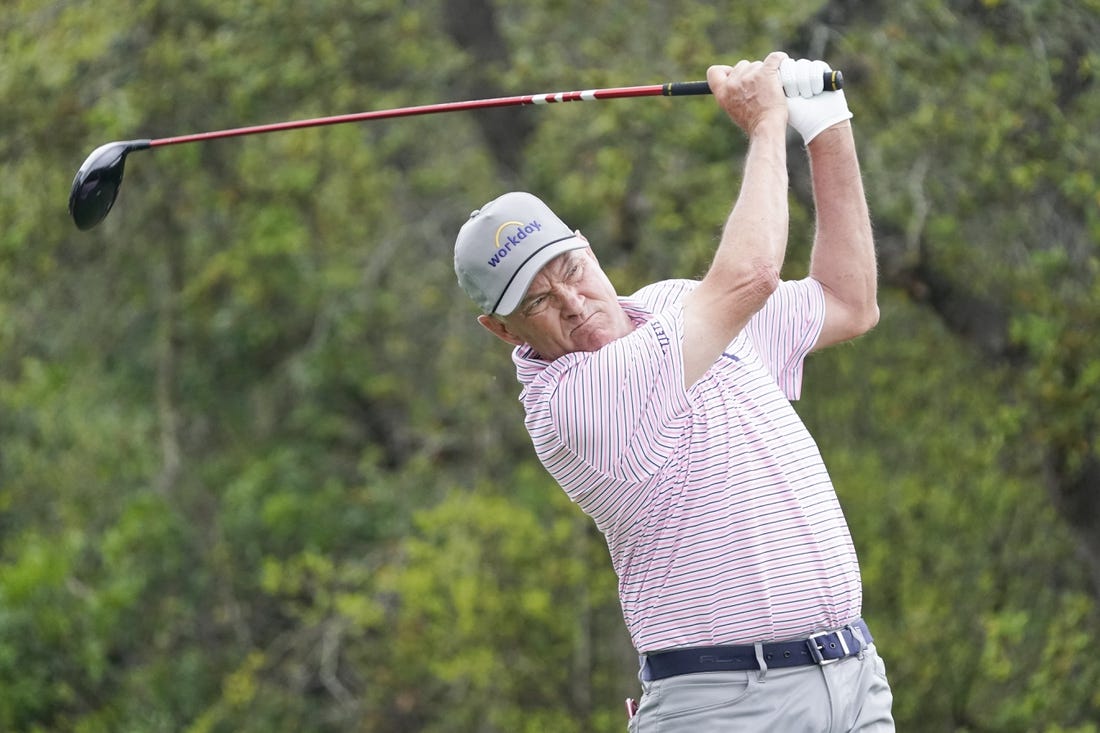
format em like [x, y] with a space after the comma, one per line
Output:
[582, 324]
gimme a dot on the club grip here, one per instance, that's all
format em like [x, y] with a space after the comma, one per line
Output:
[834, 81]
[684, 88]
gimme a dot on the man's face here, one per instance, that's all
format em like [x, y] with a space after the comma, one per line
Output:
[570, 306]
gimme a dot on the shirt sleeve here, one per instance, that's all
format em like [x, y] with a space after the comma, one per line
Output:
[614, 415]
[785, 330]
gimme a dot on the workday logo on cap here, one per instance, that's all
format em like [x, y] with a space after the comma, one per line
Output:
[503, 245]
[511, 234]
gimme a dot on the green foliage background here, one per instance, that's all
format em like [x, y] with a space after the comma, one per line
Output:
[261, 470]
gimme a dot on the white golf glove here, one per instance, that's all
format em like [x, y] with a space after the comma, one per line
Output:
[810, 109]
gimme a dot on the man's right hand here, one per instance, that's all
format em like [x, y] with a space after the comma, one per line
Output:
[750, 92]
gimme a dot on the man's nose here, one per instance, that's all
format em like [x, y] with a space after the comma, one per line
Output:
[572, 302]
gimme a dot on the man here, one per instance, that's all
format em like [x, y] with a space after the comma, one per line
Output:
[666, 417]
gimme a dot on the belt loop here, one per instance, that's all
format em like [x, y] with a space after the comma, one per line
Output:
[760, 661]
[858, 634]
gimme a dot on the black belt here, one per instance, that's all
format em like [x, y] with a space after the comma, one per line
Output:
[823, 648]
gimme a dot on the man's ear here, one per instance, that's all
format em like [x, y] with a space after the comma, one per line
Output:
[499, 329]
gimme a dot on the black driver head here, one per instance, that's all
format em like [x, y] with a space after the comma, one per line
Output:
[96, 184]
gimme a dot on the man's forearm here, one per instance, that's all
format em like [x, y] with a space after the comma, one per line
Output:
[757, 227]
[843, 258]
[746, 266]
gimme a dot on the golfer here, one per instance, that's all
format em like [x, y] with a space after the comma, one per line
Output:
[666, 417]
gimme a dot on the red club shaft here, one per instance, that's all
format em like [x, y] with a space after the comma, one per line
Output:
[671, 89]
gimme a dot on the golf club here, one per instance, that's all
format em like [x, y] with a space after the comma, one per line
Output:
[96, 184]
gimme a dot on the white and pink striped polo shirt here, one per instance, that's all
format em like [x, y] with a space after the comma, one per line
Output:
[721, 519]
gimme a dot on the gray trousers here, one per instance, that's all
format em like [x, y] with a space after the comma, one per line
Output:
[850, 695]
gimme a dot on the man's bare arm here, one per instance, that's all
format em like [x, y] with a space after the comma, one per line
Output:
[746, 265]
[843, 258]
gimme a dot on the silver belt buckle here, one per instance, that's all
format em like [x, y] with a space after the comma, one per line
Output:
[815, 648]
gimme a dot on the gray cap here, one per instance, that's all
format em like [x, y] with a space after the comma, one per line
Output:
[504, 244]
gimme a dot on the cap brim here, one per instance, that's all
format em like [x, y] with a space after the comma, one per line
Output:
[521, 281]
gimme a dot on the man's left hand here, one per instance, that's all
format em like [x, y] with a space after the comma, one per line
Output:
[811, 109]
